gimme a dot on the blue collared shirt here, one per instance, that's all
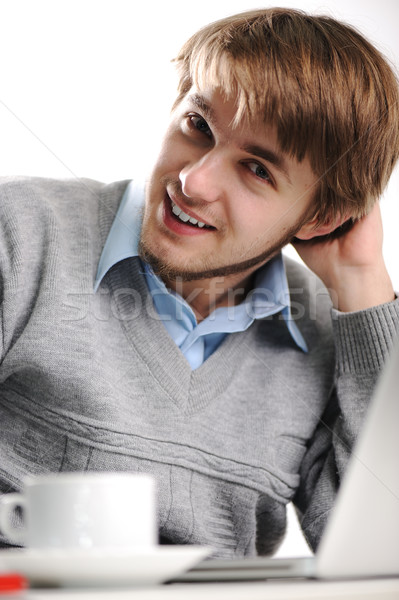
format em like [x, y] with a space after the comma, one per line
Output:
[197, 341]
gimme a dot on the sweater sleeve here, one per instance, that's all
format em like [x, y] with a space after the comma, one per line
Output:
[362, 340]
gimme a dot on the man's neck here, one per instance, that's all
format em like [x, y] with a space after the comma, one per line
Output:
[205, 295]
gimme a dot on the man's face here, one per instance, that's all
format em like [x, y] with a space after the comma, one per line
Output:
[221, 200]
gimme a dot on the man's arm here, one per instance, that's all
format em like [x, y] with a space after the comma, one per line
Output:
[363, 340]
[365, 322]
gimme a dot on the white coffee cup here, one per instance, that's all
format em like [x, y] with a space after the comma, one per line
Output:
[82, 511]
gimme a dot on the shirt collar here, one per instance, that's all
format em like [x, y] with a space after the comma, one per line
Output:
[123, 238]
[269, 296]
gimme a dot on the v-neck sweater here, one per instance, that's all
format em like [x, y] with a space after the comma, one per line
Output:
[93, 381]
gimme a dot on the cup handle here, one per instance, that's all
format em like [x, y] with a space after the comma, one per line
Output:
[8, 504]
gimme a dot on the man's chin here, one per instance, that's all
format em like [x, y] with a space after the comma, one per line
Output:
[168, 272]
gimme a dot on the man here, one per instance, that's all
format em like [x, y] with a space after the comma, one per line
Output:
[174, 340]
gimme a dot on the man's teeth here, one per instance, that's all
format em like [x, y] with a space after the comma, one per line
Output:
[176, 210]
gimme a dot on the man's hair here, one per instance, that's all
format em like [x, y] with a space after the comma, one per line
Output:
[331, 95]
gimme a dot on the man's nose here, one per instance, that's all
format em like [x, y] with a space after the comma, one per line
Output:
[204, 178]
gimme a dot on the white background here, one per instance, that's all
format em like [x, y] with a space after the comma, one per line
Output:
[86, 85]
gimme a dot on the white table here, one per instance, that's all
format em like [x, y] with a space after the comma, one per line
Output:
[372, 589]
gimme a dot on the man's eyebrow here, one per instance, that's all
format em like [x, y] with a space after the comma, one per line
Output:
[201, 103]
[272, 157]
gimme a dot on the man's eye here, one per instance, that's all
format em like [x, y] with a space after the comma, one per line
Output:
[200, 124]
[259, 171]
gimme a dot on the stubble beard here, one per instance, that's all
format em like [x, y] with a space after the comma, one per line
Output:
[169, 272]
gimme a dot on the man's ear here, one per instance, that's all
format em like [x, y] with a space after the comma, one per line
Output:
[314, 228]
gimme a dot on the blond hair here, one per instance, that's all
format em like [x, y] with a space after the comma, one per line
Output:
[331, 95]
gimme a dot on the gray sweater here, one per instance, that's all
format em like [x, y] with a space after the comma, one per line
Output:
[92, 381]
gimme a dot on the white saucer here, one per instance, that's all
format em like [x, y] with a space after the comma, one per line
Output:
[106, 567]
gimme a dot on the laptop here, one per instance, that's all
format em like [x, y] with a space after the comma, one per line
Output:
[361, 538]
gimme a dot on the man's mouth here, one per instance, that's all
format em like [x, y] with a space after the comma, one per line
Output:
[185, 218]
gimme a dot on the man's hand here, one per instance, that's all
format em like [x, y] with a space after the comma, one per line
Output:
[351, 266]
